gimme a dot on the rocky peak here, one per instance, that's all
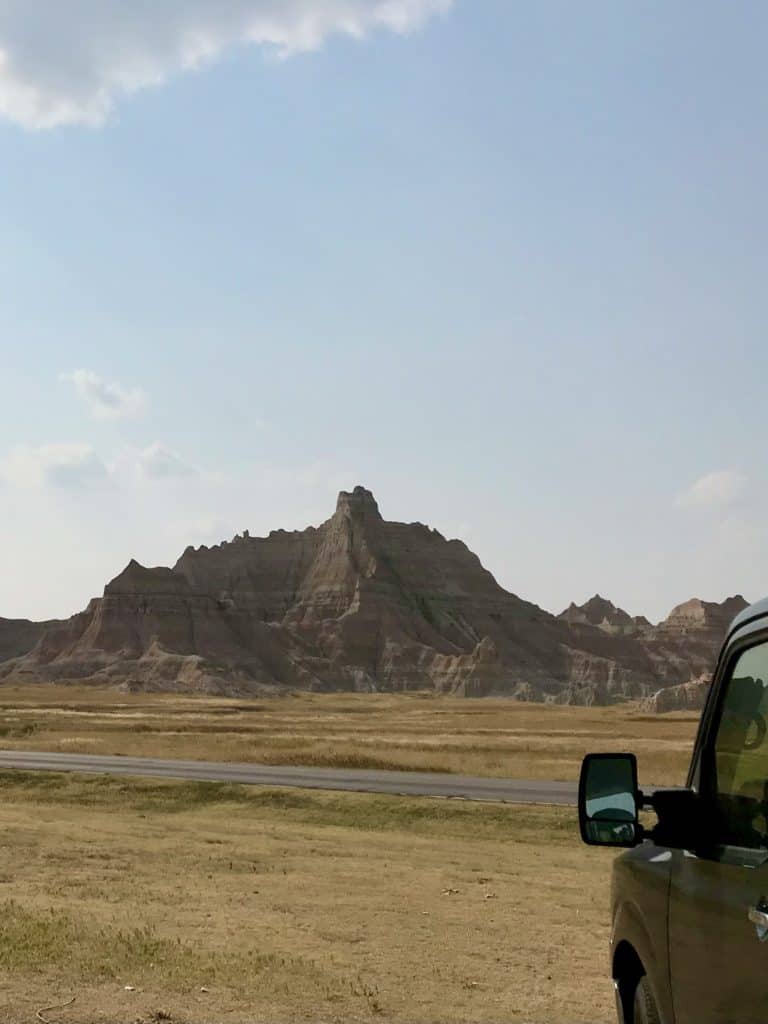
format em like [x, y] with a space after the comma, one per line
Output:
[358, 504]
[601, 609]
[137, 579]
[600, 612]
[698, 614]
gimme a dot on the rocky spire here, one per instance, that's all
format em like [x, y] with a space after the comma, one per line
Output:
[358, 504]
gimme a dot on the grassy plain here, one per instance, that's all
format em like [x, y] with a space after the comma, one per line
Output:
[417, 731]
[151, 901]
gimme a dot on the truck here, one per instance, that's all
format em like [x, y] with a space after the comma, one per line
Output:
[689, 894]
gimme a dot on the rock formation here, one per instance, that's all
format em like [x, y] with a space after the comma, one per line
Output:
[18, 636]
[690, 696]
[685, 645]
[605, 615]
[359, 603]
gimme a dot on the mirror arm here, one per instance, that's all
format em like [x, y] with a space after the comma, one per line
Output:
[680, 822]
[644, 803]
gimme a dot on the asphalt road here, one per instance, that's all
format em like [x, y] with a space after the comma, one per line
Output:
[513, 791]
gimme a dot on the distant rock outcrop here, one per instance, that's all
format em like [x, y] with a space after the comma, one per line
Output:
[691, 696]
[605, 615]
[359, 603]
[18, 636]
[685, 645]
[698, 618]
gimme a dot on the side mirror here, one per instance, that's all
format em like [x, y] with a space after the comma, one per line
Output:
[609, 800]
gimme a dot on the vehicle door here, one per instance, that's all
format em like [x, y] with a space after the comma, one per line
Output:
[718, 912]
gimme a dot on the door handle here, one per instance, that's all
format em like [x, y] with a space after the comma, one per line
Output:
[759, 917]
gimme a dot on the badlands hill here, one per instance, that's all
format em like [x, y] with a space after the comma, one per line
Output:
[17, 636]
[357, 603]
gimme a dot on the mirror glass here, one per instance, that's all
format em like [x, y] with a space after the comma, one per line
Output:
[609, 813]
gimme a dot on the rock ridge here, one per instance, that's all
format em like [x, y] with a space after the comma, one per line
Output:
[358, 603]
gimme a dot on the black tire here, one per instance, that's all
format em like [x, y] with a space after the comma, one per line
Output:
[643, 1006]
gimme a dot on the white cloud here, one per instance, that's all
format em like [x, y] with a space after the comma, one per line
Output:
[66, 466]
[715, 489]
[67, 63]
[105, 400]
[74, 466]
[157, 462]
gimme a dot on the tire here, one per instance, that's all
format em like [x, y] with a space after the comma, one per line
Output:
[643, 1006]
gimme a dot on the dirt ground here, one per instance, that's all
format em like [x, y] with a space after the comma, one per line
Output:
[416, 731]
[197, 903]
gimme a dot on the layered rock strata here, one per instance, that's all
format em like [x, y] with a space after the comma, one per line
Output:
[358, 603]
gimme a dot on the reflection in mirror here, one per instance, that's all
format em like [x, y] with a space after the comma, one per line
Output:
[609, 813]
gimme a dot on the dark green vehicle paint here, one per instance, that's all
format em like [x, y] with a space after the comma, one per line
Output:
[689, 904]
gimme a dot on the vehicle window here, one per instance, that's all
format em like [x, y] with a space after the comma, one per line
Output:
[741, 753]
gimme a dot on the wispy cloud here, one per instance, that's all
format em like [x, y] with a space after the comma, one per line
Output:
[77, 466]
[69, 64]
[71, 467]
[105, 400]
[720, 488]
[156, 462]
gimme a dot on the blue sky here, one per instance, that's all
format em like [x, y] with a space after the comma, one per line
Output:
[501, 263]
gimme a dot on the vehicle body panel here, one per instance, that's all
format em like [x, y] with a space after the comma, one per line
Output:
[685, 913]
[639, 898]
[718, 965]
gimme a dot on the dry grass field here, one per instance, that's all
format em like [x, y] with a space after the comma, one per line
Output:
[417, 731]
[198, 903]
[149, 901]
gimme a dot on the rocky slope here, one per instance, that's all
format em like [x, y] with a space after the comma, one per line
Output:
[17, 636]
[359, 603]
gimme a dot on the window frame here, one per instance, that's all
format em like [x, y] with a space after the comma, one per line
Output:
[702, 776]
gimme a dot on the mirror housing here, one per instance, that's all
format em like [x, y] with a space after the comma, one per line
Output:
[610, 801]
[683, 823]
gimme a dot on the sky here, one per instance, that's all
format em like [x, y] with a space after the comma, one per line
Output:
[502, 263]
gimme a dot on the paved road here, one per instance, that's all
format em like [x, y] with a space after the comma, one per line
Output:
[513, 791]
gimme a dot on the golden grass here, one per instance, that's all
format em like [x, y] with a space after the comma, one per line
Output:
[287, 906]
[493, 737]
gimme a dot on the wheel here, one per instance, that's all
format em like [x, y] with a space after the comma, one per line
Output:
[643, 1006]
